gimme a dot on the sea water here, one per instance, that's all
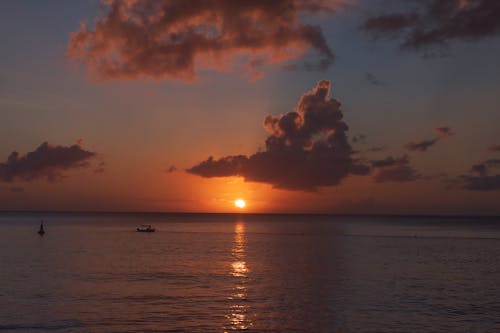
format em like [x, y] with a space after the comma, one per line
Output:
[255, 273]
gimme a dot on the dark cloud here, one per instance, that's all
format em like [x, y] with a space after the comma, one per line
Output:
[436, 22]
[485, 167]
[494, 148]
[443, 131]
[371, 78]
[171, 169]
[175, 39]
[480, 169]
[480, 177]
[47, 161]
[481, 183]
[306, 149]
[393, 169]
[420, 146]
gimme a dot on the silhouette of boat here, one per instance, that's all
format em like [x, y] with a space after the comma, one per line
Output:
[146, 228]
[41, 231]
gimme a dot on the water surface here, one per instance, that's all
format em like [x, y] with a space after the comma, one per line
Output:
[256, 273]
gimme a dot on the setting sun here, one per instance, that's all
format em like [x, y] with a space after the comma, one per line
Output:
[240, 203]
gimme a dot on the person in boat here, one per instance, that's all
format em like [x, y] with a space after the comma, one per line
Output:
[146, 228]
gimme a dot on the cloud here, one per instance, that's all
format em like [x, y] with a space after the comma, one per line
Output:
[481, 183]
[436, 22]
[176, 39]
[494, 148]
[371, 78]
[480, 177]
[393, 169]
[46, 161]
[423, 145]
[306, 149]
[171, 169]
[420, 146]
[485, 167]
[443, 131]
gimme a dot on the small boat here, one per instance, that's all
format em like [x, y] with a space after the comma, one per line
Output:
[41, 232]
[146, 228]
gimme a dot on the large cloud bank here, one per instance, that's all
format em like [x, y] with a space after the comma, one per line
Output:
[306, 148]
[175, 39]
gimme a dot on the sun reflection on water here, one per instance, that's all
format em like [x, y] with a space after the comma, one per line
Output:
[238, 311]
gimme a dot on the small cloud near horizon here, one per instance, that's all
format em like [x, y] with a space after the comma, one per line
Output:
[393, 169]
[480, 177]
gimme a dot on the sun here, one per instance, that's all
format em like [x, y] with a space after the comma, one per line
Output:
[240, 203]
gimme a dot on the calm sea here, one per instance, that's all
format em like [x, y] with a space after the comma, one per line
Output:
[256, 273]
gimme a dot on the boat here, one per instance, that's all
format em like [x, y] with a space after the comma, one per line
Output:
[41, 232]
[146, 228]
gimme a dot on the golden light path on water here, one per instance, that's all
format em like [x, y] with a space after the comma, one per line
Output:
[238, 314]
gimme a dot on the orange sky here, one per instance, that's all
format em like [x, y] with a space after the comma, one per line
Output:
[119, 107]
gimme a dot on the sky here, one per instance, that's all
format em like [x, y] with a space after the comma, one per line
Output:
[320, 106]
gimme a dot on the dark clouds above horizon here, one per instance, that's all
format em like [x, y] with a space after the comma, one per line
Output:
[393, 169]
[175, 39]
[306, 149]
[437, 22]
[47, 162]
[481, 177]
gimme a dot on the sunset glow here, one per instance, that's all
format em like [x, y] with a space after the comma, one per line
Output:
[318, 119]
[302, 165]
[240, 203]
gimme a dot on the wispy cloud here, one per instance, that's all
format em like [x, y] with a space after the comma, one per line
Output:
[424, 145]
[436, 22]
[393, 169]
[421, 145]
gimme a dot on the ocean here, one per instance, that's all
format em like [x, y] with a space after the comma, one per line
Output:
[254, 273]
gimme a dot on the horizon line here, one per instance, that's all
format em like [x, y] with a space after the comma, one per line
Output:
[111, 212]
